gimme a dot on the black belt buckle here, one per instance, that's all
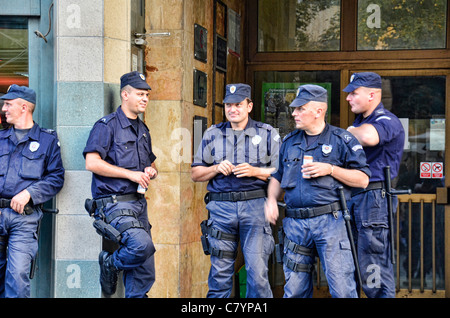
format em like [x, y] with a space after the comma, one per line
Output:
[235, 196]
[306, 213]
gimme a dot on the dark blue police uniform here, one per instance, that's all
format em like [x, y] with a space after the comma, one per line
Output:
[119, 143]
[369, 205]
[236, 205]
[313, 217]
[33, 163]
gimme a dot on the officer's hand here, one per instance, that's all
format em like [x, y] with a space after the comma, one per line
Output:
[19, 201]
[271, 210]
[316, 169]
[244, 170]
[140, 177]
[225, 168]
[152, 172]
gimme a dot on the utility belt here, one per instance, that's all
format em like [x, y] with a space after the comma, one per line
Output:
[91, 205]
[375, 185]
[28, 209]
[102, 222]
[306, 213]
[235, 196]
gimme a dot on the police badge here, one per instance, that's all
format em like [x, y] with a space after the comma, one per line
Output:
[326, 149]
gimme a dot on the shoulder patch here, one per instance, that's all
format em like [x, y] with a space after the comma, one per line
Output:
[344, 134]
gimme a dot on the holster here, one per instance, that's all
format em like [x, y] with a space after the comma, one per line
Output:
[279, 248]
[107, 231]
[204, 237]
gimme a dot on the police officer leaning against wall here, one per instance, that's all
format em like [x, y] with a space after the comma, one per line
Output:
[119, 153]
[313, 218]
[31, 173]
[236, 158]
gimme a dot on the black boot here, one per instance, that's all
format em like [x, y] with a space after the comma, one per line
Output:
[108, 273]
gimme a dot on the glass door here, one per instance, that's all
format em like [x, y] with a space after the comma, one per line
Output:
[13, 55]
[419, 99]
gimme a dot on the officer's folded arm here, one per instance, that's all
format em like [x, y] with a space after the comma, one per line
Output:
[351, 177]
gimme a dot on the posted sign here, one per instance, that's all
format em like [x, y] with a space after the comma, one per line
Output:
[431, 170]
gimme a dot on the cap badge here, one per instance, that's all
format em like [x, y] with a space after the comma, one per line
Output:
[352, 78]
[142, 76]
[232, 89]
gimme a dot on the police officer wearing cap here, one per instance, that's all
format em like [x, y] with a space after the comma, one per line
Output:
[313, 218]
[236, 158]
[119, 153]
[381, 134]
[31, 173]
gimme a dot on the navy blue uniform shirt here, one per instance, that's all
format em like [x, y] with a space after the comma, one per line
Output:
[389, 150]
[117, 142]
[258, 144]
[34, 163]
[335, 146]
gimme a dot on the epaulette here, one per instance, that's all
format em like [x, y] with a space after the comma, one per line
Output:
[218, 126]
[48, 131]
[106, 119]
[344, 134]
[292, 133]
[263, 125]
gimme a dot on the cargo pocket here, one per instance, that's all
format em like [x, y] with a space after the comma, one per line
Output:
[375, 237]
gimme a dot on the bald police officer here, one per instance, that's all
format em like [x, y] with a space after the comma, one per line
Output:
[31, 173]
[119, 153]
[381, 134]
[236, 158]
[313, 218]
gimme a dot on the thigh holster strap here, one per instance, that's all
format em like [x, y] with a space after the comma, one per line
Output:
[297, 249]
[297, 267]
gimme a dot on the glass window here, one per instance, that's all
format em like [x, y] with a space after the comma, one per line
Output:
[400, 24]
[13, 55]
[274, 91]
[298, 25]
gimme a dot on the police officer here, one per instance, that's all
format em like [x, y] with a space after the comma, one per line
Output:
[313, 218]
[119, 153]
[31, 173]
[236, 158]
[382, 136]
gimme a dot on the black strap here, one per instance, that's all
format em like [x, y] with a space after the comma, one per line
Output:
[305, 213]
[220, 235]
[297, 267]
[235, 196]
[375, 185]
[117, 213]
[128, 225]
[222, 254]
[102, 202]
[298, 249]
[6, 203]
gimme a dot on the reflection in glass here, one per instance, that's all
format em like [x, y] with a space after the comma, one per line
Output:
[297, 25]
[420, 103]
[13, 55]
[399, 24]
[274, 91]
